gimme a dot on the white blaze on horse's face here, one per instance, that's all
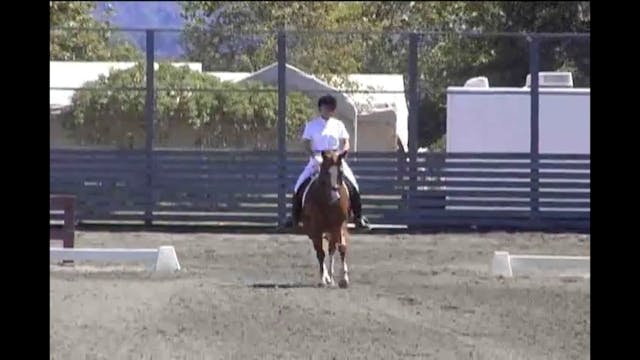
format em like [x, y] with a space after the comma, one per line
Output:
[333, 177]
[333, 172]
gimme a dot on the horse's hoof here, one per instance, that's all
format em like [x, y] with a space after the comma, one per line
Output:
[343, 283]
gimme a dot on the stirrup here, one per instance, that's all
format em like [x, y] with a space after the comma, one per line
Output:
[289, 223]
[362, 222]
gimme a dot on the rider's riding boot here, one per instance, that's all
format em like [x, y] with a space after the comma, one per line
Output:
[296, 205]
[296, 209]
[356, 206]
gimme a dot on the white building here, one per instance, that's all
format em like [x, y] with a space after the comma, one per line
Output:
[485, 119]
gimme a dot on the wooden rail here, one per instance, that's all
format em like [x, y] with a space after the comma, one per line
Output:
[66, 203]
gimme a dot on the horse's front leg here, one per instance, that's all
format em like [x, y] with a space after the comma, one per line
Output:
[342, 248]
[320, 255]
[332, 252]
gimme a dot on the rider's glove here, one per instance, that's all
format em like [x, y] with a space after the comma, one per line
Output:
[317, 159]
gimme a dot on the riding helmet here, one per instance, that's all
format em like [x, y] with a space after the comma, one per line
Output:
[328, 100]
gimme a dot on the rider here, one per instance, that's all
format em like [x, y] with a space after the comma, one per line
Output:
[325, 132]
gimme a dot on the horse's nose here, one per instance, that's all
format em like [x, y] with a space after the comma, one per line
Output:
[335, 196]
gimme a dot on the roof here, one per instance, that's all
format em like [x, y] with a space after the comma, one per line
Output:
[297, 80]
[379, 92]
[386, 92]
[229, 75]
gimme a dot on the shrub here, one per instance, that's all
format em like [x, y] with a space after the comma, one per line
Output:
[221, 114]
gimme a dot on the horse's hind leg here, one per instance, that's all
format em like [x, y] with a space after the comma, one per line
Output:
[317, 245]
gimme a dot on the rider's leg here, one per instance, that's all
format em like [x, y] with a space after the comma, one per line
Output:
[301, 184]
[306, 173]
[354, 192]
[296, 206]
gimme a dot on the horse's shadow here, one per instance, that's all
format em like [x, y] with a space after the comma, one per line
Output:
[282, 285]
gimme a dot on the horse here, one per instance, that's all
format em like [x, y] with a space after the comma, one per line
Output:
[325, 212]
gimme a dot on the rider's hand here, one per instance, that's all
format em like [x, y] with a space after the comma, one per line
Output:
[317, 158]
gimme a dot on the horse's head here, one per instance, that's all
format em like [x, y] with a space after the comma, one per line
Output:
[331, 175]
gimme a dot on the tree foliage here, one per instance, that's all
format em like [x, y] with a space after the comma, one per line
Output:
[221, 114]
[92, 40]
[549, 17]
[325, 38]
[239, 36]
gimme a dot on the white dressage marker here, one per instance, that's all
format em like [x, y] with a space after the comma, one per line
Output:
[163, 259]
[507, 265]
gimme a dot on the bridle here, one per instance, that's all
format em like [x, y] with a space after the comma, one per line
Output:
[335, 175]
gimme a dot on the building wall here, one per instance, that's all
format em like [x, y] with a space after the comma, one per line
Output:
[498, 120]
[377, 132]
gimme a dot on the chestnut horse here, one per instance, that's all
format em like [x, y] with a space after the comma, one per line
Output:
[325, 212]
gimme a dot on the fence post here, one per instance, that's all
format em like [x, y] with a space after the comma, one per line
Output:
[413, 116]
[149, 114]
[282, 127]
[534, 69]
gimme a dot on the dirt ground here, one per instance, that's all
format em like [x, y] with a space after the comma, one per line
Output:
[411, 297]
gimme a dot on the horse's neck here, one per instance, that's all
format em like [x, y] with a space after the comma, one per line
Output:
[312, 193]
[307, 190]
[345, 196]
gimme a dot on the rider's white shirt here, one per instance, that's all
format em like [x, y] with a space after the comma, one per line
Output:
[325, 134]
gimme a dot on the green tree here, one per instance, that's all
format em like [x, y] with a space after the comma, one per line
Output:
[222, 114]
[444, 59]
[224, 35]
[368, 47]
[449, 59]
[92, 40]
[240, 35]
[544, 16]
